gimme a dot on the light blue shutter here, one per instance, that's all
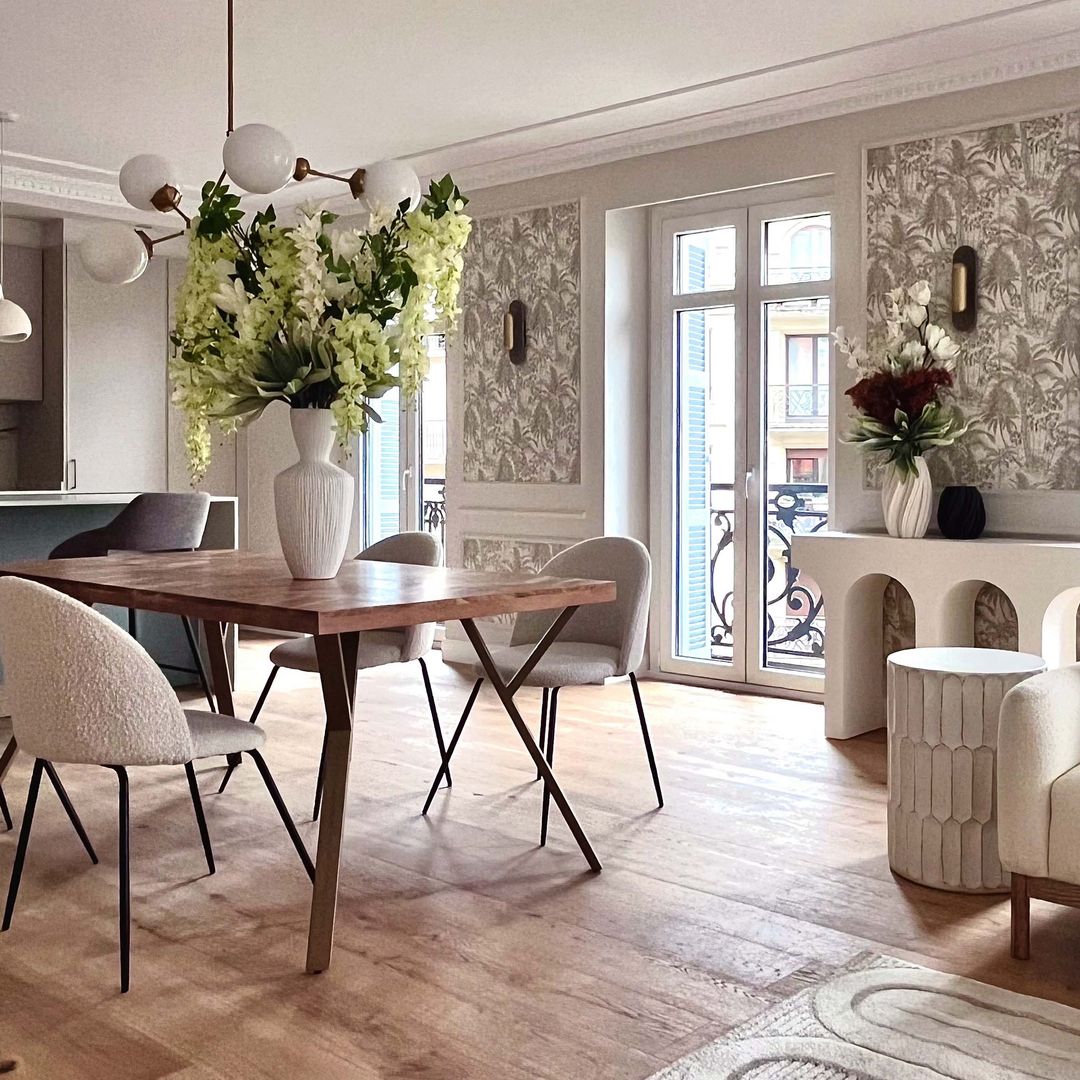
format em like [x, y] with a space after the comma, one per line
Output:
[693, 589]
[383, 470]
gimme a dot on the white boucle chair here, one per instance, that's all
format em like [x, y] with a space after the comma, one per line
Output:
[601, 641]
[377, 648]
[82, 691]
[1038, 776]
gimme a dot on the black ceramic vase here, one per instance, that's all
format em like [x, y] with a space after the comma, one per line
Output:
[961, 514]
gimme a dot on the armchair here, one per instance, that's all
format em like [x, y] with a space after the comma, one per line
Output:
[1039, 794]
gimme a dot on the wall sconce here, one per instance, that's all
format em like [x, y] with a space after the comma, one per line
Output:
[514, 332]
[965, 302]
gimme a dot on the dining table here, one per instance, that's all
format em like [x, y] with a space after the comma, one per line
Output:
[232, 588]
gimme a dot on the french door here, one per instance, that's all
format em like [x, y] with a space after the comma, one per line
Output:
[742, 302]
[405, 458]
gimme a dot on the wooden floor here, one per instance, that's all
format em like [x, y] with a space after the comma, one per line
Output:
[463, 950]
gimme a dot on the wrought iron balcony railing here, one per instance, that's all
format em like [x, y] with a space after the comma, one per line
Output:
[801, 404]
[794, 624]
[433, 508]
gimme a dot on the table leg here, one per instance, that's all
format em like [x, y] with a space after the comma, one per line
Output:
[337, 673]
[506, 693]
[220, 676]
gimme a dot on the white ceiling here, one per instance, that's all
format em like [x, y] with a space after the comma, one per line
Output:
[351, 82]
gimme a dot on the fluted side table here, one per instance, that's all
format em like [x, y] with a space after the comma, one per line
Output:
[943, 709]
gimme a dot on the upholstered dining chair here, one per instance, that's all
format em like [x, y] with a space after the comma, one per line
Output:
[82, 691]
[601, 641]
[7, 738]
[377, 647]
[152, 521]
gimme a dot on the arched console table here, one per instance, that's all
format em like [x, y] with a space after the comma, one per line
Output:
[943, 578]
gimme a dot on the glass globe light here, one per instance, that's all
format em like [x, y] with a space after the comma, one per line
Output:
[14, 322]
[142, 176]
[113, 254]
[386, 185]
[258, 158]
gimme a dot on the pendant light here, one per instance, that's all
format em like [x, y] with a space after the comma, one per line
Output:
[14, 322]
[258, 158]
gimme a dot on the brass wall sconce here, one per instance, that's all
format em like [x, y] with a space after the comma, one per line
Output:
[514, 332]
[965, 303]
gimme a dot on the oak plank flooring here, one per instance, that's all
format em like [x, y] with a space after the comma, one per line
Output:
[463, 950]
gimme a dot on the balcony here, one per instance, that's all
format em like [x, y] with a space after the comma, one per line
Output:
[433, 508]
[801, 405]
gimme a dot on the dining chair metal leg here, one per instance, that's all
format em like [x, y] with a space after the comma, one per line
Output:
[264, 694]
[445, 766]
[4, 811]
[553, 710]
[200, 667]
[648, 741]
[69, 809]
[435, 718]
[24, 839]
[543, 723]
[200, 817]
[320, 779]
[283, 812]
[124, 865]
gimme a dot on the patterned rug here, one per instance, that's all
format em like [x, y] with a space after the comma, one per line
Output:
[886, 1020]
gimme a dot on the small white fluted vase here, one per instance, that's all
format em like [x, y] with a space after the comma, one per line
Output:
[313, 500]
[907, 500]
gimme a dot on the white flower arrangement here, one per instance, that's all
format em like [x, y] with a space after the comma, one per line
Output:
[315, 316]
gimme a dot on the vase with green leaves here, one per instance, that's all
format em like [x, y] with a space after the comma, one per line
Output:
[322, 314]
[902, 411]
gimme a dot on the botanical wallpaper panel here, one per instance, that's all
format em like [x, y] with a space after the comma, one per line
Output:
[509, 555]
[1013, 193]
[522, 423]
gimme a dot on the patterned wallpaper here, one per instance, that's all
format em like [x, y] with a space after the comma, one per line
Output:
[1013, 193]
[522, 424]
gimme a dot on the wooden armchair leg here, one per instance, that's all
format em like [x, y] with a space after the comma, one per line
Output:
[1021, 918]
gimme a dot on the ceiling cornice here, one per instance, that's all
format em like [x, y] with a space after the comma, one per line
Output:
[68, 188]
[488, 168]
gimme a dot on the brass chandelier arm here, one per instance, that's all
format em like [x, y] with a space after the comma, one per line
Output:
[149, 242]
[304, 169]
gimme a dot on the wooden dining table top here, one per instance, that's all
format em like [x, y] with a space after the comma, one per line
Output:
[258, 590]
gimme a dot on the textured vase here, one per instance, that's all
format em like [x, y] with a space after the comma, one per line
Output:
[961, 514]
[313, 500]
[907, 500]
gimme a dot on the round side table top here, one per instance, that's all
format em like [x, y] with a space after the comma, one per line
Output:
[967, 661]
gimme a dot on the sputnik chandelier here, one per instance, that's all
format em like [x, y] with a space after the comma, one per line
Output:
[258, 159]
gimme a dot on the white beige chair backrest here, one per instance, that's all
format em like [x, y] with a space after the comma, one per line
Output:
[622, 623]
[416, 549]
[81, 690]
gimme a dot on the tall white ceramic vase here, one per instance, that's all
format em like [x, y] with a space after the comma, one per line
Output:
[907, 500]
[313, 500]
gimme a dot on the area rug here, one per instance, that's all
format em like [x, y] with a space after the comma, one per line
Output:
[885, 1020]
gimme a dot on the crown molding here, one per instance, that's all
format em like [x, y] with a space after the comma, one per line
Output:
[68, 188]
[481, 165]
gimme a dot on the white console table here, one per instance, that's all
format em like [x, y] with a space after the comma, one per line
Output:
[943, 578]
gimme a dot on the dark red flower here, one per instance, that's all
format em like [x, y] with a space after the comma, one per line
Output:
[881, 394]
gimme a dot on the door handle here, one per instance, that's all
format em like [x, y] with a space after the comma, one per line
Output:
[406, 474]
[72, 477]
[748, 483]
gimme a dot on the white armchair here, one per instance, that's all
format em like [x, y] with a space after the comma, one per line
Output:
[1039, 794]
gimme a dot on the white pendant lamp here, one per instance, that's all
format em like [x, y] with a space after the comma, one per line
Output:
[143, 177]
[387, 184]
[113, 254]
[14, 322]
[258, 158]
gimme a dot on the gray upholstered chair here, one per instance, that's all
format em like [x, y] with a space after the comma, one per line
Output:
[377, 647]
[601, 641]
[84, 692]
[153, 521]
